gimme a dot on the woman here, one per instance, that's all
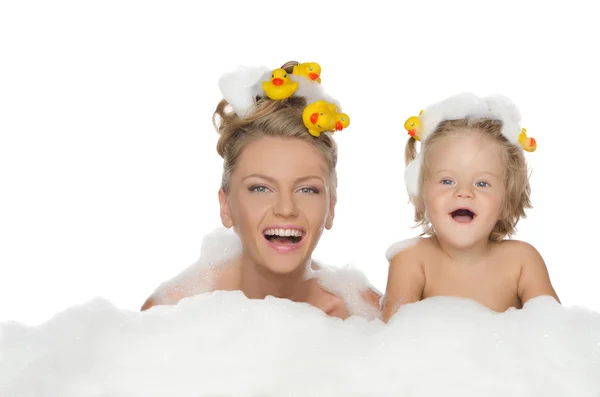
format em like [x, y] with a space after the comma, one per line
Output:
[278, 193]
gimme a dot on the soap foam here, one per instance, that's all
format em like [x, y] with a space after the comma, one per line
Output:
[223, 344]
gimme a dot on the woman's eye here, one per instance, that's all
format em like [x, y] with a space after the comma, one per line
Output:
[309, 190]
[258, 189]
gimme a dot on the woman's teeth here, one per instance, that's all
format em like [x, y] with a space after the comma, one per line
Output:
[284, 236]
[283, 232]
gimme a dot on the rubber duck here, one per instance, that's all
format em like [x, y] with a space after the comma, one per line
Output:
[341, 121]
[413, 126]
[280, 86]
[310, 70]
[528, 144]
[319, 117]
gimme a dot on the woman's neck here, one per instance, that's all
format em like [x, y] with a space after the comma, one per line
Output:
[257, 282]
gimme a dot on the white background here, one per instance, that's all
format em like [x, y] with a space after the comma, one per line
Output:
[108, 168]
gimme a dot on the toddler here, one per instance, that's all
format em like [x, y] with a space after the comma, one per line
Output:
[469, 186]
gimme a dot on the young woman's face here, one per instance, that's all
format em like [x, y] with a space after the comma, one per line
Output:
[278, 202]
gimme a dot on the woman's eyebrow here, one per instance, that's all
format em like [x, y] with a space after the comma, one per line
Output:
[272, 180]
[261, 176]
[308, 177]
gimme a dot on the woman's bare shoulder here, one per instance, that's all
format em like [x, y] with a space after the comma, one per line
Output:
[190, 282]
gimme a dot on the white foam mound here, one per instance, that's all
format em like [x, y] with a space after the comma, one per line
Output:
[222, 344]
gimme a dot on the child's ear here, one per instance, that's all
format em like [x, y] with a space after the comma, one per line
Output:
[225, 214]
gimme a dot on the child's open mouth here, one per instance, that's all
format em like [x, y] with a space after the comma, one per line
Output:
[284, 236]
[462, 215]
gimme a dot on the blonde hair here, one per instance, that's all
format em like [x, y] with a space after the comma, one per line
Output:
[518, 190]
[268, 118]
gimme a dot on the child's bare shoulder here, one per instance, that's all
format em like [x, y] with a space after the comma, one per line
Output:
[525, 258]
[521, 251]
[407, 259]
[534, 279]
[412, 248]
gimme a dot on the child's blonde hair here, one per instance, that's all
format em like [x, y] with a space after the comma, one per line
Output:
[516, 179]
[268, 118]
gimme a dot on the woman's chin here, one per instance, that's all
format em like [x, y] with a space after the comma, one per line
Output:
[285, 264]
[285, 259]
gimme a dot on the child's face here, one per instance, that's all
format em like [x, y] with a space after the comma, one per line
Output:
[464, 188]
[278, 202]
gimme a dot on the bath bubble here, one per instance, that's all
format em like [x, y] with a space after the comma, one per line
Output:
[223, 344]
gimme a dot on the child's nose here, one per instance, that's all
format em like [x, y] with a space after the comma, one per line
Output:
[464, 192]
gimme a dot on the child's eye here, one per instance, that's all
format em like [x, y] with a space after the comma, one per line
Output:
[446, 182]
[258, 189]
[308, 190]
[482, 184]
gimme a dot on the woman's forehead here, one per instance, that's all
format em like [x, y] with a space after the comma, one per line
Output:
[281, 158]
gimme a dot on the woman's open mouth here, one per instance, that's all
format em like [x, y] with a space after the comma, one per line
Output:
[284, 236]
[463, 215]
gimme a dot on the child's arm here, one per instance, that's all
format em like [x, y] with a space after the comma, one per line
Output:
[406, 281]
[534, 279]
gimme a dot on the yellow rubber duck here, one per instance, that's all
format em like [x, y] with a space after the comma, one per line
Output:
[319, 117]
[528, 144]
[413, 126]
[280, 86]
[310, 70]
[341, 121]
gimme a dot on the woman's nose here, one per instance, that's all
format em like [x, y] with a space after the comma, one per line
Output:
[286, 206]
